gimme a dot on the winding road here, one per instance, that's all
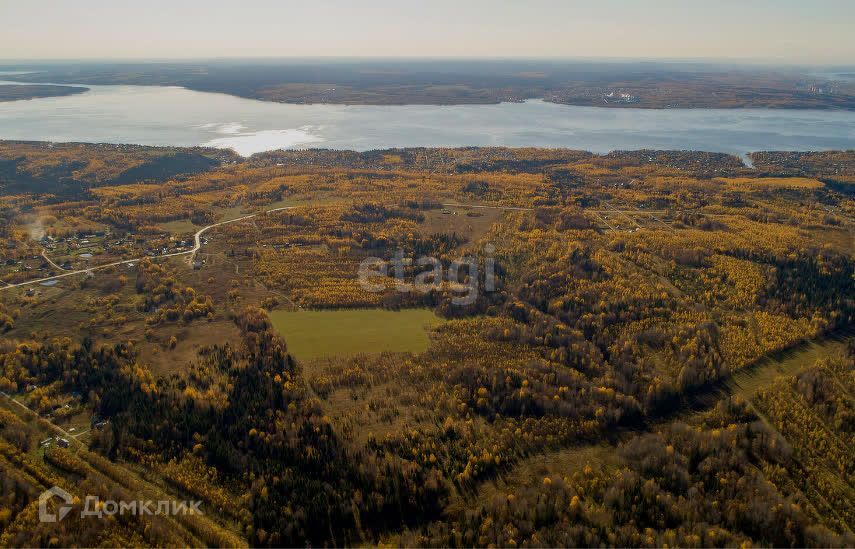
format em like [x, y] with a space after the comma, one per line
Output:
[49, 260]
[197, 244]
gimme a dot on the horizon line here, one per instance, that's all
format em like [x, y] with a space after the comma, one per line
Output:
[352, 58]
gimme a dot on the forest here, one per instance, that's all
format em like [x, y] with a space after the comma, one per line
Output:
[15, 92]
[420, 81]
[665, 354]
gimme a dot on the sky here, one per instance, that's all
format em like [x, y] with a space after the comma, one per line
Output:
[787, 31]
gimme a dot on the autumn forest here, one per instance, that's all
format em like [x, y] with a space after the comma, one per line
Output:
[656, 348]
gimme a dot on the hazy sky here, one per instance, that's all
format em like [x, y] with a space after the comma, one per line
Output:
[781, 30]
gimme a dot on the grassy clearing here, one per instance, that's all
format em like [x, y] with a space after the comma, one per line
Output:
[786, 363]
[771, 182]
[469, 223]
[181, 226]
[313, 334]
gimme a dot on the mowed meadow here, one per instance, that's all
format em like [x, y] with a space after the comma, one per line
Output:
[346, 332]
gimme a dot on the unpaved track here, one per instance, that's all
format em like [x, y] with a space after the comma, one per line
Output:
[197, 239]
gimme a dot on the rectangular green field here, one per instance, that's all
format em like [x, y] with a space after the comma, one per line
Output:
[342, 332]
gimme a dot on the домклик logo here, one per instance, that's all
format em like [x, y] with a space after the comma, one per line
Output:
[64, 507]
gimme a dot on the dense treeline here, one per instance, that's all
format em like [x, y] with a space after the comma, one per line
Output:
[70, 169]
[271, 438]
[728, 479]
[687, 485]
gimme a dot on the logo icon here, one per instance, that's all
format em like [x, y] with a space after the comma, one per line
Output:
[63, 509]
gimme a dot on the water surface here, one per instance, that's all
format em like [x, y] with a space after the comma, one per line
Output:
[152, 115]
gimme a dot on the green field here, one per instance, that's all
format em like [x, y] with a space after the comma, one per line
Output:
[313, 334]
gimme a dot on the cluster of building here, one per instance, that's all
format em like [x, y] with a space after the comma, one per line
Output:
[61, 442]
[620, 97]
[821, 89]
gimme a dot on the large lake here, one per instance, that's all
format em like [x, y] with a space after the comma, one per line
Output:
[153, 115]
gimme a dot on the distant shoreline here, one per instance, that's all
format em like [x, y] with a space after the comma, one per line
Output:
[617, 85]
[22, 92]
